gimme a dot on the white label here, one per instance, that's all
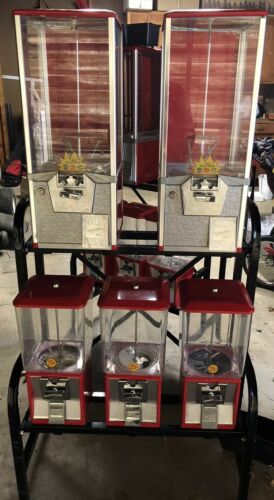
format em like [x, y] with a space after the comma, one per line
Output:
[222, 234]
[95, 231]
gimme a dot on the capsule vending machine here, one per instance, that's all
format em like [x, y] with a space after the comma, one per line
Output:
[54, 319]
[70, 64]
[210, 81]
[215, 323]
[142, 78]
[133, 315]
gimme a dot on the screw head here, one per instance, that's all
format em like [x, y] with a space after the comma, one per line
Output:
[172, 195]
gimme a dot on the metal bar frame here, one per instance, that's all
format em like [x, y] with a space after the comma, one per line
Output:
[243, 435]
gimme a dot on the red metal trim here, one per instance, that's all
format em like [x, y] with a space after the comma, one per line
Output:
[133, 377]
[76, 13]
[81, 377]
[213, 379]
[121, 423]
[35, 245]
[184, 14]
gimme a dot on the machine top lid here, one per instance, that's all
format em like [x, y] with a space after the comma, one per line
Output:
[77, 13]
[138, 294]
[215, 13]
[55, 292]
[214, 296]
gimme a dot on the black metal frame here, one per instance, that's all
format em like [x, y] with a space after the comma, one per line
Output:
[242, 438]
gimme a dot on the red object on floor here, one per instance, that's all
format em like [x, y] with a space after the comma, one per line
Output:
[14, 168]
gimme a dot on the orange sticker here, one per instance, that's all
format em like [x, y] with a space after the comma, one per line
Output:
[133, 367]
[213, 369]
[51, 363]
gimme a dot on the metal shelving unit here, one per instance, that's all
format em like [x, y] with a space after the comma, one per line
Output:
[242, 438]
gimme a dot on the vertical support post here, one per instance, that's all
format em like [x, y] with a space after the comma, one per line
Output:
[255, 249]
[20, 465]
[207, 267]
[20, 250]
[222, 268]
[238, 266]
[249, 443]
[39, 263]
[21, 267]
[73, 264]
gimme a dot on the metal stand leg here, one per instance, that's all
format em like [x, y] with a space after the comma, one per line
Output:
[73, 265]
[222, 269]
[20, 250]
[255, 251]
[21, 268]
[249, 440]
[207, 267]
[39, 263]
[238, 267]
[15, 434]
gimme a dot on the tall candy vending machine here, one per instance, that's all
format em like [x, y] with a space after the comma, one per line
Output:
[70, 64]
[210, 82]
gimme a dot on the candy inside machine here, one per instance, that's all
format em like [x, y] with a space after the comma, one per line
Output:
[210, 82]
[70, 72]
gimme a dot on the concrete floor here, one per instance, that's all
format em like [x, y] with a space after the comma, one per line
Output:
[125, 468]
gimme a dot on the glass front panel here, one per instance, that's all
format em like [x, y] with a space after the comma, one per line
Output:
[134, 341]
[215, 344]
[54, 339]
[212, 70]
[67, 85]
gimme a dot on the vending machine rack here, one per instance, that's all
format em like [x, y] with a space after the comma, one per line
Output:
[241, 439]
